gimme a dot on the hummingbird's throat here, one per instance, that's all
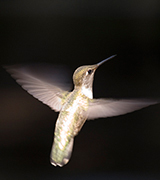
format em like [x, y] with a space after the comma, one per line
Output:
[87, 92]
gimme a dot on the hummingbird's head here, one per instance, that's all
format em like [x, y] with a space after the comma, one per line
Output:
[84, 75]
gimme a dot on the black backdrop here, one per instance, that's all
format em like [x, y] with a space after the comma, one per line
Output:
[76, 33]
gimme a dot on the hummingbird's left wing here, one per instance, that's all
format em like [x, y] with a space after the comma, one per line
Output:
[101, 108]
[47, 84]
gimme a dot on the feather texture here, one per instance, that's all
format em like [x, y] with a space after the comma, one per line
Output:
[51, 92]
[101, 108]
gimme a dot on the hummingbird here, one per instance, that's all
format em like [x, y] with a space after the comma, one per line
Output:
[75, 106]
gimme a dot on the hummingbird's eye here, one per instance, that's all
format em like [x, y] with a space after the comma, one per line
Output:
[90, 71]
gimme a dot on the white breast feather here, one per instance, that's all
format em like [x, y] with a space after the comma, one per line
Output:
[87, 92]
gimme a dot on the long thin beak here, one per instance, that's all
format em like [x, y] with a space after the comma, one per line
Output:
[100, 63]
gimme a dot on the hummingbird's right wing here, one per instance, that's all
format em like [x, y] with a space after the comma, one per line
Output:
[101, 108]
[44, 82]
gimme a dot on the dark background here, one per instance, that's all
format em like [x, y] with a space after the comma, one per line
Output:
[76, 33]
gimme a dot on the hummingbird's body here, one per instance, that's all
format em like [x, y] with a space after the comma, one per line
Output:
[75, 107]
[71, 117]
[69, 123]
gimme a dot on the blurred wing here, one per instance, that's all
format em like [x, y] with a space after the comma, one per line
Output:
[100, 108]
[43, 82]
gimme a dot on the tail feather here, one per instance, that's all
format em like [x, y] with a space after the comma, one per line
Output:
[59, 156]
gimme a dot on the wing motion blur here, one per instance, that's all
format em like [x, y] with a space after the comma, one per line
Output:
[48, 84]
[101, 108]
